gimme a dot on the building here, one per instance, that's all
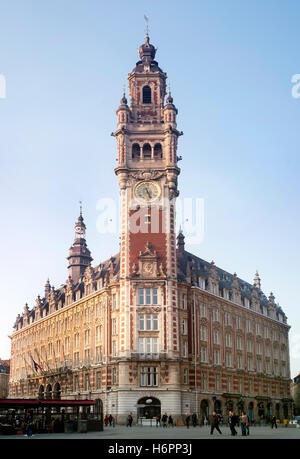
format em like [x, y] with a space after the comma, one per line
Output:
[4, 378]
[296, 394]
[154, 328]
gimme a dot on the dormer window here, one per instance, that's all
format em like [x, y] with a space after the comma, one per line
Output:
[146, 95]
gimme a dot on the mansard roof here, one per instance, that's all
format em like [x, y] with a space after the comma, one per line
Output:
[198, 267]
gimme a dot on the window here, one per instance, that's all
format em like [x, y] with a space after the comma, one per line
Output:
[136, 151]
[201, 283]
[268, 366]
[249, 345]
[76, 359]
[228, 358]
[114, 348]
[239, 342]
[239, 361]
[238, 322]
[249, 363]
[148, 322]
[266, 333]
[226, 294]
[185, 349]
[114, 327]
[148, 296]
[217, 382]
[283, 370]
[246, 303]
[87, 337]
[216, 357]
[98, 379]
[147, 151]
[228, 340]
[87, 355]
[98, 354]
[203, 333]
[203, 381]
[114, 376]
[227, 319]
[202, 310]
[184, 327]
[215, 315]
[229, 384]
[149, 376]
[216, 337]
[86, 381]
[248, 326]
[183, 301]
[98, 333]
[257, 329]
[258, 347]
[114, 301]
[76, 383]
[186, 376]
[158, 151]
[148, 345]
[146, 95]
[203, 354]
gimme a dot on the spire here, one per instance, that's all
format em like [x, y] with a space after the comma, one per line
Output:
[79, 255]
[180, 241]
[257, 283]
[147, 51]
[47, 288]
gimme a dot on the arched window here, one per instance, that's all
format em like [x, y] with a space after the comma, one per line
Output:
[147, 151]
[157, 151]
[146, 95]
[136, 151]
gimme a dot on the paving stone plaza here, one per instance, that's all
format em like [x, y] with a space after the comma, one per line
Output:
[178, 434]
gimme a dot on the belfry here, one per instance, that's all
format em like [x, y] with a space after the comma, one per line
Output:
[153, 329]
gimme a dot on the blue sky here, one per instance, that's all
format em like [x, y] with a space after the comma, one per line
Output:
[230, 65]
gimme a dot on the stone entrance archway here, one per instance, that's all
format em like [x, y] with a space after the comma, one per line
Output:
[148, 407]
[56, 391]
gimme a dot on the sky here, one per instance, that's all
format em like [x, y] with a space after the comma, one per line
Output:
[230, 66]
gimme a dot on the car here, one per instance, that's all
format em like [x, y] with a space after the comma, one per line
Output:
[296, 420]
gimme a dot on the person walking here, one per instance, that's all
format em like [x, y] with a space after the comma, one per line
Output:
[248, 425]
[243, 421]
[164, 420]
[194, 419]
[187, 421]
[106, 421]
[274, 422]
[231, 422]
[158, 420]
[28, 429]
[170, 421]
[110, 418]
[215, 424]
[129, 420]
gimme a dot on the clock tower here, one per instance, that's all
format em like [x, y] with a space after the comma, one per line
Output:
[147, 172]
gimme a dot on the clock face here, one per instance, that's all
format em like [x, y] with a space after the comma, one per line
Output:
[147, 191]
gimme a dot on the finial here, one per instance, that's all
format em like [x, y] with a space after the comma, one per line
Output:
[80, 202]
[147, 26]
[257, 283]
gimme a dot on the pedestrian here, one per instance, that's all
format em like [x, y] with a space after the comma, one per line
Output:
[170, 421]
[158, 420]
[187, 421]
[106, 420]
[205, 421]
[110, 418]
[231, 422]
[28, 429]
[215, 424]
[243, 421]
[194, 419]
[113, 421]
[248, 425]
[274, 422]
[129, 420]
[164, 420]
